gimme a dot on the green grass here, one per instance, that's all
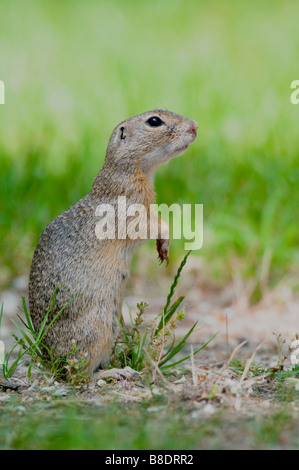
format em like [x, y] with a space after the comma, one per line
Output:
[280, 429]
[229, 65]
[146, 425]
[29, 347]
[73, 426]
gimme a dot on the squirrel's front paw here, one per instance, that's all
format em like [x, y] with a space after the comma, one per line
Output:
[163, 250]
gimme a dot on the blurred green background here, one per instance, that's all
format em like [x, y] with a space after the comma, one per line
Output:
[75, 69]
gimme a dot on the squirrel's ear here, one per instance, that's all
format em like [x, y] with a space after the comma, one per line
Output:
[122, 133]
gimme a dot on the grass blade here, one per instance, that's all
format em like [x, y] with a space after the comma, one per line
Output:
[178, 347]
[130, 315]
[187, 357]
[58, 315]
[27, 315]
[24, 334]
[166, 317]
[175, 281]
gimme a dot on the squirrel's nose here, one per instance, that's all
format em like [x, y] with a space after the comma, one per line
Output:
[193, 128]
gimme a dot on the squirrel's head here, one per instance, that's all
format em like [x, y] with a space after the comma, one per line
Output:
[151, 138]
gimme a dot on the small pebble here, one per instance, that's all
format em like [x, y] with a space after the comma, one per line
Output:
[101, 382]
[209, 409]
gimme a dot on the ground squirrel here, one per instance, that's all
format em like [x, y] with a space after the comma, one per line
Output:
[70, 253]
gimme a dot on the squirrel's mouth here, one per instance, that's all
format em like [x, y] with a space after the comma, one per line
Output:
[183, 148]
[179, 150]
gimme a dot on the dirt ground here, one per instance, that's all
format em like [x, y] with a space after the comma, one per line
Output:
[224, 310]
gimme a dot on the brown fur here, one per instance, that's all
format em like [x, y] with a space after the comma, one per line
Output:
[69, 251]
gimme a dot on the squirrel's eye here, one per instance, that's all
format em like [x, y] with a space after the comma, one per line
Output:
[155, 121]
